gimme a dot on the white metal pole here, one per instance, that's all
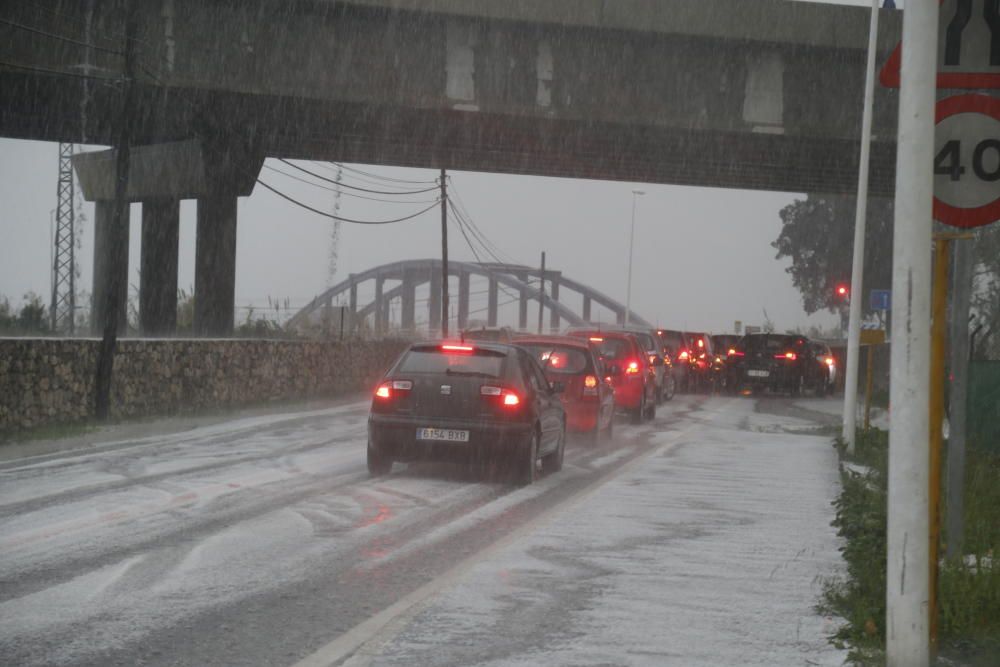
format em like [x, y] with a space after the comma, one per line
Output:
[907, 626]
[860, 221]
[631, 238]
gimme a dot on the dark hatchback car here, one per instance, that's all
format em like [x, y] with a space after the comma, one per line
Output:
[725, 346]
[701, 362]
[778, 362]
[486, 404]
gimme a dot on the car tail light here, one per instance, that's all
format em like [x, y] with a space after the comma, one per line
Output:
[590, 385]
[596, 339]
[384, 390]
[829, 361]
[683, 354]
[632, 368]
[507, 397]
[458, 348]
[732, 351]
[510, 399]
[701, 343]
[652, 358]
[790, 356]
[390, 388]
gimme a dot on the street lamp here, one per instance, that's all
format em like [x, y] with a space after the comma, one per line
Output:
[631, 238]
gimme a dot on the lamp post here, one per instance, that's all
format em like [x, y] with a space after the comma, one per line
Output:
[631, 237]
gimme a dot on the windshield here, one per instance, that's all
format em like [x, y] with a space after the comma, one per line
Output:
[560, 358]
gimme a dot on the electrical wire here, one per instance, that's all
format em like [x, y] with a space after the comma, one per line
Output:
[337, 217]
[69, 40]
[355, 187]
[45, 70]
[334, 166]
[383, 178]
[349, 194]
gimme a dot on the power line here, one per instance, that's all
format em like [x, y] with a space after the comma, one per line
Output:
[45, 70]
[355, 187]
[69, 40]
[381, 177]
[349, 194]
[336, 217]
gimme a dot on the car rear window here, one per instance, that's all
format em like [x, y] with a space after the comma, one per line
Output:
[560, 358]
[646, 341]
[769, 343]
[672, 339]
[614, 349]
[431, 360]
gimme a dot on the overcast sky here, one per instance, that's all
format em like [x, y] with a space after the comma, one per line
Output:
[702, 256]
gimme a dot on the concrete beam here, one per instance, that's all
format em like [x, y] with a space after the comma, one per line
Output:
[158, 267]
[434, 303]
[407, 316]
[108, 269]
[381, 306]
[586, 309]
[492, 302]
[463, 300]
[215, 266]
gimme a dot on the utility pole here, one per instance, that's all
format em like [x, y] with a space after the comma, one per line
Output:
[118, 232]
[961, 292]
[541, 296]
[907, 567]
[63, 306]
[631, 239]
[444, 253]
[858, 264]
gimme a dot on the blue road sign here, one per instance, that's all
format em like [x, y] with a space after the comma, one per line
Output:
[881, 299]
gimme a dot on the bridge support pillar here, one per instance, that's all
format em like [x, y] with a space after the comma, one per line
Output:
[158, 267]
[463, 300]
[353, 303]
[586, 308]
[522, 304]
[108, 268]
[554, 312]
[620, 317]
[215, 266]
[407, 316]
[491, 303]
[381, 307]
[434, 303]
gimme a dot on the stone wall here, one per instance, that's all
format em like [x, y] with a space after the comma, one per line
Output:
[51, 381]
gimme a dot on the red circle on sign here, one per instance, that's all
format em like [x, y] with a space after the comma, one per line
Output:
[967, 217]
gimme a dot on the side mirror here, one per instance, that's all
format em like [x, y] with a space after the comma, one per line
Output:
[557, 387]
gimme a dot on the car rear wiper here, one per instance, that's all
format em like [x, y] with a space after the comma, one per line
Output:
[472, 374]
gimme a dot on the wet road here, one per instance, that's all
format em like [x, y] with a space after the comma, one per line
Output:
[261, 540]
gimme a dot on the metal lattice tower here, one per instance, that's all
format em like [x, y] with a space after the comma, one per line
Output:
[63, 308]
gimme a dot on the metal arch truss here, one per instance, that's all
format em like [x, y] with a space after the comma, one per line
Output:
[412, 273]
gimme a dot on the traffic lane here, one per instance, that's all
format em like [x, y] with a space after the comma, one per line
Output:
[711, 552]
[293, 534]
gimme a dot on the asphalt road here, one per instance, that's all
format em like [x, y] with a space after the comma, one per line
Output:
[261, 540]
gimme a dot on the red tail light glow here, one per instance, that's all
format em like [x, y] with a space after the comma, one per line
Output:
[791, 356]
[701, 343]
[384, 390]
[632, 368]
[683, 354]
[510, 399]
[458, 348]
[590, 382]
[829, 361]
[596, 339]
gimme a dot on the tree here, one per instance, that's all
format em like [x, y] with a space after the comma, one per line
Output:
[817, 234]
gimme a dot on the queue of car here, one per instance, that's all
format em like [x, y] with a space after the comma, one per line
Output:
[507, 402]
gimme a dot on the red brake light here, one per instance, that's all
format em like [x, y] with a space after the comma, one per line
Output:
[683, 354]
[652, 358]
[384, 390]
[829, 361]
[791, 356]
[732, 351]
[596, 339]
[701, 343]
[510, 399]
[590, 382]
[632, 368]
[457, 348]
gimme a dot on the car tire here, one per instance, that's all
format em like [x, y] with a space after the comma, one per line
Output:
[638, 413]
[526, 464]
[379, 465]
[672, 389]
[554, 462]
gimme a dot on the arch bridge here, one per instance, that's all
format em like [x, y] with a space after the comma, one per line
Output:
[398, 282]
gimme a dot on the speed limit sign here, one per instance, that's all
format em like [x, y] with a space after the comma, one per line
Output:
[967, 161]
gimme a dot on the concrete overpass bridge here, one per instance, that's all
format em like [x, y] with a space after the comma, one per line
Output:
[728, 93]
[398, 282]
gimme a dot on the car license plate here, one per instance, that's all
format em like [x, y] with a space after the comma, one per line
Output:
[758, 374]
[445, 434]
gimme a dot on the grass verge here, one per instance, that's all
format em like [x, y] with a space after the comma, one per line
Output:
[969, 588]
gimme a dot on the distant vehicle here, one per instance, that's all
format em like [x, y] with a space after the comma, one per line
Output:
[480, 403]
[776, 362]
[589, 395]
[701, 361]
[659, 364]
[725, 346]
[676, 349]
[825, 367]
[489, 334]
[626, 363]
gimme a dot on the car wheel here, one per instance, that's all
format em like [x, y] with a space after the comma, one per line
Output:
[554, 462]
[638, 413]
[671, 389]
[378, 464]
[525, 467]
